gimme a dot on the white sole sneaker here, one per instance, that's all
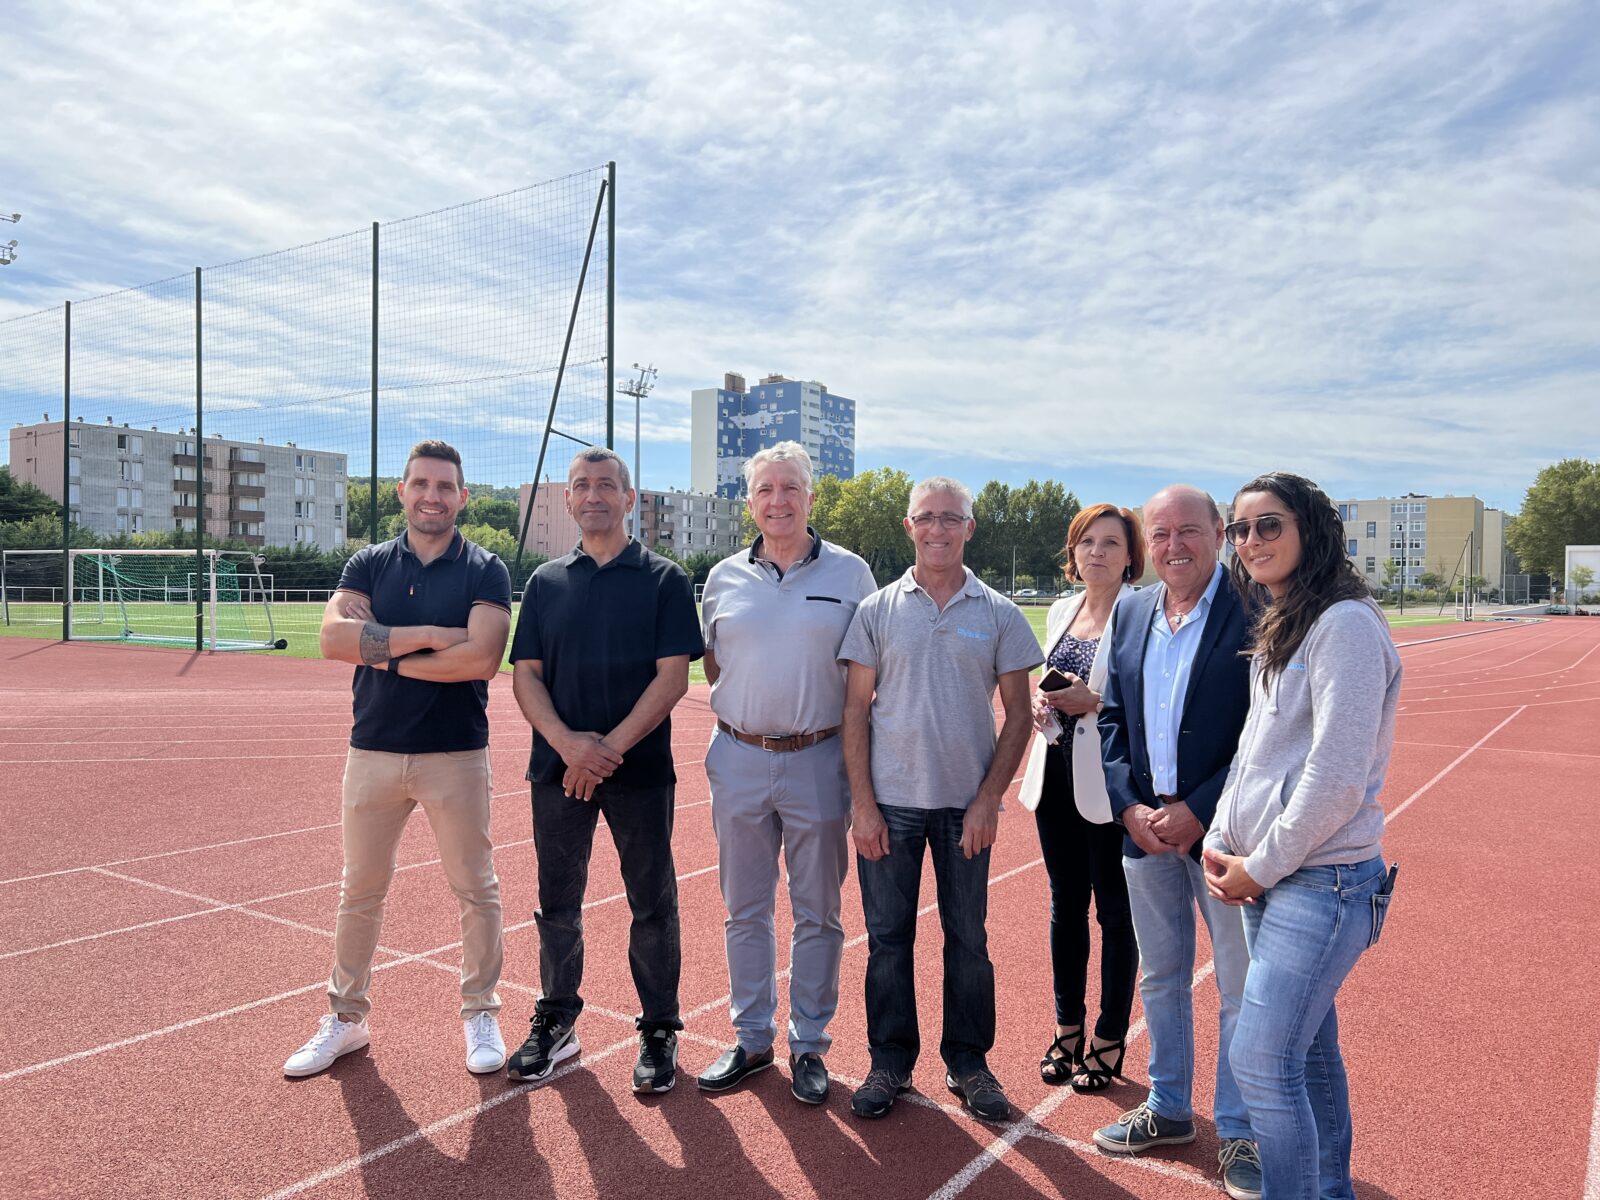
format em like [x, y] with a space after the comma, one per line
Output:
[334, 1039]
[486, 1050]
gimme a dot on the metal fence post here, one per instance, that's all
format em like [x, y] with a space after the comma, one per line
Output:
[372, 526]
[66, 479]
[199, 476]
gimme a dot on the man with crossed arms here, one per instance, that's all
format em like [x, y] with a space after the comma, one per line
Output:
[424, 619]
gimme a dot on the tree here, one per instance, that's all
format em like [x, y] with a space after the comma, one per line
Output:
[1561, 509]
[358, 498]
[1428, 581]
[1391, 572]
[864, 514]
[1580, 579]
[20, 501]
[488, 510]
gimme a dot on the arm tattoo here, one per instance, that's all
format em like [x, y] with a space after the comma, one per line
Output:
[374, 643]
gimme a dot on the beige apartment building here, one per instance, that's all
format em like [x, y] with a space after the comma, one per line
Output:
[1446, 536]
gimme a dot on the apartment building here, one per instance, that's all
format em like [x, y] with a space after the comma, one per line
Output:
[731, 423]
[122, 480]
[684, 522]
[1445, 536]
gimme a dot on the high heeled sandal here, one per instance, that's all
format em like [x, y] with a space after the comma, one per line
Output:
[1062, 1060]
[1097, 1078]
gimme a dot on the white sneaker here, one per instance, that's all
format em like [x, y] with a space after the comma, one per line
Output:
[332, 1038]
[485, 1050]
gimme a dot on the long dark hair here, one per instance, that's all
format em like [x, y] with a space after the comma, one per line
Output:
[1324, 576]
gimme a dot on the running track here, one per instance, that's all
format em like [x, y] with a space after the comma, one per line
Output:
[168, 881]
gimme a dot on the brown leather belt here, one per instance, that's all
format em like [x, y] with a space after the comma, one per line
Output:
[779, 745]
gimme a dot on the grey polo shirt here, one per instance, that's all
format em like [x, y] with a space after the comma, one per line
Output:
[776, 637]
[933, 731]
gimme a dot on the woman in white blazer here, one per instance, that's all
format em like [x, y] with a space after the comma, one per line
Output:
[1065, 788]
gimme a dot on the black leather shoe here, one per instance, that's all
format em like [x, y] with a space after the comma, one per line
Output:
[729, 1070]
[810, 1076]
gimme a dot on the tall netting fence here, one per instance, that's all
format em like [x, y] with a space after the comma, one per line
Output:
[269, 404]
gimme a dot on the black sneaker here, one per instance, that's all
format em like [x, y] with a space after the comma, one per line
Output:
[551, 1039]
[985, 1099]
[657, 1068]
[875, 1097]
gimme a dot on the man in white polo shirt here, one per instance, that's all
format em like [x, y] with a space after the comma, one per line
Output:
[773, 620]
[927, 772]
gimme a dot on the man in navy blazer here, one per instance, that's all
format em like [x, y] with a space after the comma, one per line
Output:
[1176, 697]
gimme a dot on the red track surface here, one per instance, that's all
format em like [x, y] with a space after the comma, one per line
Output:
[168, 881]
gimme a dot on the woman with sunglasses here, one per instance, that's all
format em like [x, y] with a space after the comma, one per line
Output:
[1065, 787]
[1296, 839]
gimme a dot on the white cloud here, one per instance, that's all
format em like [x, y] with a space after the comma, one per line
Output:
[1356, 238]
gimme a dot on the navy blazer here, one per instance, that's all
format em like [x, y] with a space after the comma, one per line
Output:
[1214, 708]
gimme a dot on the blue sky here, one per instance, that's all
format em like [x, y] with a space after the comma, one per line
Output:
[1115, 245]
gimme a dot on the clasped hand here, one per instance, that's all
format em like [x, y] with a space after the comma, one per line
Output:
[589, 763]
[1227, 880]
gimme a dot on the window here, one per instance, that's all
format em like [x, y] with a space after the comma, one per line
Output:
[122, 522]
[338, 490]
[304, 533]
[311, 462]
[184, 448]
[136, 523]
[1372, 529]
[75, 467]
[183, 473]
[1350, 546]
[338, 512]
[180, 526]
[1372, 564]
[122, 497]
[338, 537]
[75, 438]
[130, 470]
[136, 498]
[299, 488]
[72, 491]
[248, 504]
[311, 487]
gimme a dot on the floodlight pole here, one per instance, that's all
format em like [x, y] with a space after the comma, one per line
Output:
[638, 389]
[199, 474]
[66, 480]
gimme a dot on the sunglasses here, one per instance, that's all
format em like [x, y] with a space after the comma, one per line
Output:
[1268, 529]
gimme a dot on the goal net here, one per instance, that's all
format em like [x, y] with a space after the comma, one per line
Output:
[155, 597]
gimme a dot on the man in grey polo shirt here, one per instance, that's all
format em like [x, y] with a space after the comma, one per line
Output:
[925, 655]
[773, 619]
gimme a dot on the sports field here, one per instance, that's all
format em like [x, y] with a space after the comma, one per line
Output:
[170, 873]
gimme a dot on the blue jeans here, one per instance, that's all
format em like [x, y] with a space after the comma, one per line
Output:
[1305, 935]
[889, 891]
[1163, 892]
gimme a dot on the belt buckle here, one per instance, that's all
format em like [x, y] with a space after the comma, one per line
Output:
[770, 737]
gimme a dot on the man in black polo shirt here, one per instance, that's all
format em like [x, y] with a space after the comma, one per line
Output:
[601, 655]
[424, 619]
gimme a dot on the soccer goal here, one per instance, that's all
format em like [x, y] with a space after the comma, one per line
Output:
[31, 586]
[154, 596]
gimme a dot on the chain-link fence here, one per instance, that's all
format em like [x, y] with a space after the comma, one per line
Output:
[266, 405]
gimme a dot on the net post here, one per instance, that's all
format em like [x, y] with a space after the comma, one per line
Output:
[199, 472]
[611, 310]
[213, 556]
[561, 370]
[372, 521]
[66, 479]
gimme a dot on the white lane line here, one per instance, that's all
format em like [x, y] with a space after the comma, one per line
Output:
[439, 1126]
[1156, 1165]
[1501, 750]
[1454, 763]
[1591, 1183]
[997, 1149]
[321, 984]
[123, 862]
[467, 1114]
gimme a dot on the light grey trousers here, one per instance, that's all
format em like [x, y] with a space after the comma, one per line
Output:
[799, 803]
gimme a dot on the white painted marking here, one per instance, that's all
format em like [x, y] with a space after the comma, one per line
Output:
[1591, 1182]
[124, 862]
[1454, 763]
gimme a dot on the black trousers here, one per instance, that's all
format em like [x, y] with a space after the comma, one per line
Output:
[640, 820]
[1084, 859]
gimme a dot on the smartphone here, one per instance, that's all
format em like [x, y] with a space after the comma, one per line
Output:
[1054, 680]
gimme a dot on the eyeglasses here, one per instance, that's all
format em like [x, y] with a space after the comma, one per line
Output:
[947, 520]
[1268, 528]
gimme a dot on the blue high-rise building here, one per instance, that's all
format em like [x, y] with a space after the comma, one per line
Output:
[733, 422]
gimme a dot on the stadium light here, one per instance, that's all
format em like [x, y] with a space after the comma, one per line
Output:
[8, 252]
[638, 389]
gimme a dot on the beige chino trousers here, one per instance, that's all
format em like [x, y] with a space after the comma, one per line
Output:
[380, 790]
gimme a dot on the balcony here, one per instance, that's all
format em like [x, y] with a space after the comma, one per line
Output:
[183, 485]
[189, 460]
[250, 516]
[237, 462]
[252, 490]
[183, 510]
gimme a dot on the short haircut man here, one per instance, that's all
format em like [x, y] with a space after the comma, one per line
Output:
[601, 655]
[925, 656]
[774, 618]
[1176, 697]
[424, 619]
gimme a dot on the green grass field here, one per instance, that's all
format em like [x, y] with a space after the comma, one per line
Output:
[297, 624]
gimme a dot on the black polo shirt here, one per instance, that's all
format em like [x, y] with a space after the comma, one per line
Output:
[599, 631]
[418, 716]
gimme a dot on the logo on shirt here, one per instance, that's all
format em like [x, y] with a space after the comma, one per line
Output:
[976, 634]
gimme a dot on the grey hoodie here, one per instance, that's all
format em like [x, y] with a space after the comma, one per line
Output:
[1303, 788]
